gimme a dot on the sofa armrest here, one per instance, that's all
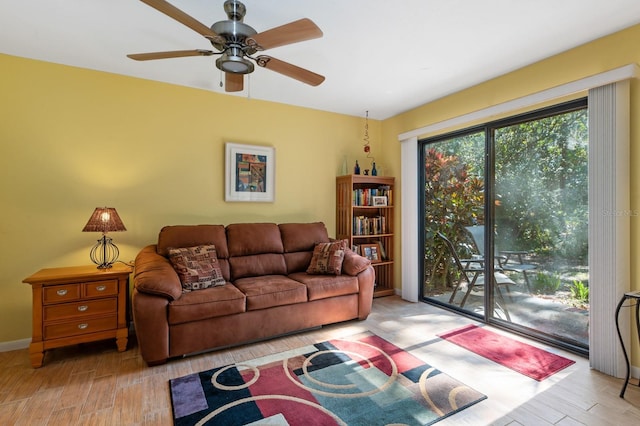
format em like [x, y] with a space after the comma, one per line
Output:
[366, 285]
[353, 263]
[155, 275]
[360, 267]
[152, 329]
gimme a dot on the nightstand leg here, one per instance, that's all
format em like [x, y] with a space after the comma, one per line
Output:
[122, 338]
[36, 354]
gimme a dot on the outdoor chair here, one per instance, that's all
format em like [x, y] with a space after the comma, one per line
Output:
[471, 272]
[504, 258]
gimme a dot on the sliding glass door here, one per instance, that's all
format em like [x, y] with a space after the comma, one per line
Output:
[454, 181]
[509, 201]
[541, 221]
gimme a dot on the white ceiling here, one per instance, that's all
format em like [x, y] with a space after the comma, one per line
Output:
[380, 56]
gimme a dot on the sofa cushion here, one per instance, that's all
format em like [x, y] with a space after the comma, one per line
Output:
[245, 239]
[271, 290]
[298, 261]
[208, 303]
[193, 235]
[325, 286]
[197, 267]
[196, 235]
[257, 265]
[298, 241]
[327, 258]
[302, 236]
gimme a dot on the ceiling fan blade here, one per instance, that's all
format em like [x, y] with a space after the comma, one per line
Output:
[180, 16]
[293, 32]
[233, 82]
[169, 54]
[289, 70]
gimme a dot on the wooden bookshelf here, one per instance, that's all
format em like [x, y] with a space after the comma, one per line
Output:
[364, 220]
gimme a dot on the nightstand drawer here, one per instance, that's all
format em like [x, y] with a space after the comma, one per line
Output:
[80, 309]
[101, 288]
[60, 293]
[73, 328]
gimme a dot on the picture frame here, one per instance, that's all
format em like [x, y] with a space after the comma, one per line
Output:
[379, 200]
[371, 252]
[249, 173]
[382, 251]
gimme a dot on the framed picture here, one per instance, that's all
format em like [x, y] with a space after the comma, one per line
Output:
[381, 250]
[371, 252]
[249, 173]
[379, 201]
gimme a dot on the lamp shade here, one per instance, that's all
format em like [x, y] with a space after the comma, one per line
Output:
[104, 219]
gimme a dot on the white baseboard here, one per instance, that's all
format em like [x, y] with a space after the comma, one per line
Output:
[14, 345]
[635, 372]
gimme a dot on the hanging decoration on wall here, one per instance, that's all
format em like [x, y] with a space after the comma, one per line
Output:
[367, 148]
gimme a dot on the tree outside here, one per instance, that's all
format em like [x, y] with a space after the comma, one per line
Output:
[541, 203]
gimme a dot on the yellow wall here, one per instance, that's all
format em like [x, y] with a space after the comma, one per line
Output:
[73, 139]
[593, 58]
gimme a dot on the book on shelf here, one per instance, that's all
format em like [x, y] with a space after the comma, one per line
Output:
[364, 225]
[363, 197]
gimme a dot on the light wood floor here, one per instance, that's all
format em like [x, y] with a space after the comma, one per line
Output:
[94, 384]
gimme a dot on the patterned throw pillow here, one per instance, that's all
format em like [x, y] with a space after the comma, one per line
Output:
[327, 258]
[197, 267]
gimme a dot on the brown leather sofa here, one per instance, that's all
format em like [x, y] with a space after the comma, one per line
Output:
[267, 291]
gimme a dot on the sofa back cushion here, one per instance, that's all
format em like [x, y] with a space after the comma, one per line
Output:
[181, 236]
[255, 249]
[299, 240]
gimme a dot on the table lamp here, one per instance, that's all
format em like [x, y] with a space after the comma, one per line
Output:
[104, 219]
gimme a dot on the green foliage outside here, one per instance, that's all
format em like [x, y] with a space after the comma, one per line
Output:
[541, 184]
[453, 195]
[579, 291]
[546, 283]
[541, 203]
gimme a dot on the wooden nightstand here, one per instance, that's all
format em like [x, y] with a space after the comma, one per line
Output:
[78, 304]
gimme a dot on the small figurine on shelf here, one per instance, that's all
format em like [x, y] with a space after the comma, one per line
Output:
[366, 172]
[374, 171]
[356, 169]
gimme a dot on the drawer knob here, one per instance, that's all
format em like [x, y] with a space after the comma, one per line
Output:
[101, 287]
[83, 308]
[83, 326]
[61, 292]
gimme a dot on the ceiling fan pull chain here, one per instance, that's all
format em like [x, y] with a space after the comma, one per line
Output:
[249, 86]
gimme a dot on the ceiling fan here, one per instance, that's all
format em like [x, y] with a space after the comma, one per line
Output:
[236, 42]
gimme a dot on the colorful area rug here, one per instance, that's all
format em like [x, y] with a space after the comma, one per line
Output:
[360, 380]
[518, 356]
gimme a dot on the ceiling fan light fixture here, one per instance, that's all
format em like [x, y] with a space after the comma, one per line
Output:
[236, 64]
